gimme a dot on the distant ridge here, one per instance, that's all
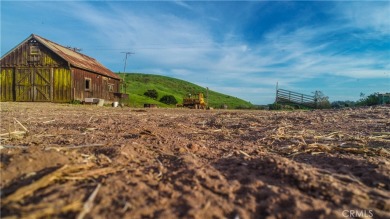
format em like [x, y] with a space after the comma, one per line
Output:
[138, 83]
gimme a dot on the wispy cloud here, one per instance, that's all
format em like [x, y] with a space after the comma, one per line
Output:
[183, 4]
[373, 16]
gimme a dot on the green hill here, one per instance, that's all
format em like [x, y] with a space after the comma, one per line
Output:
[137, 84]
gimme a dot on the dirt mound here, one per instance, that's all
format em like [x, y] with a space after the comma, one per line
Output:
[68, 161]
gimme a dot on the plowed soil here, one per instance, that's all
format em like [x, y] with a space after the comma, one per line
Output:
[76, 161]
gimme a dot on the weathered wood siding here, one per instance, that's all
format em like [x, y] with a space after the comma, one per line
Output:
[6, 84]
[99, 85]
[32, 55]
[62, 85]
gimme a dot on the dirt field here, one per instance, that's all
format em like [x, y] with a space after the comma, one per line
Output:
[74, 161]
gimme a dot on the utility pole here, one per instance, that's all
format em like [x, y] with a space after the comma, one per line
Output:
[207, 96]
[124, 69]
[127, 53]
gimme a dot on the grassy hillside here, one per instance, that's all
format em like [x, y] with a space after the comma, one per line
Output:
[138, 84]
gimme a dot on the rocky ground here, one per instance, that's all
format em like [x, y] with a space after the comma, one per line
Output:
[75, 161]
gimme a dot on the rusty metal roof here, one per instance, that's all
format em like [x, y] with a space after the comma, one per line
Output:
[76, 59]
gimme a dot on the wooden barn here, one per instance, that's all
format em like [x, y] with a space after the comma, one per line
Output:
[40, 70]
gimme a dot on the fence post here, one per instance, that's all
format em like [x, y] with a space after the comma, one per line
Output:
[277, 92]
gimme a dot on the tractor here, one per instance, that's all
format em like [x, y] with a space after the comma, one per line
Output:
[195, 101]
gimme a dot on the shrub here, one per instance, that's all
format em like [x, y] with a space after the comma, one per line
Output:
[370, 100]
[288, 107]
[76, 102]
[260, 107]
[151, 93]
[322, 100]
[275, 106]
[323, 104]
[168, 99]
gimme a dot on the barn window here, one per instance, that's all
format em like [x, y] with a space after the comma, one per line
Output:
[34, 50]
[111, 87]
[88, 85]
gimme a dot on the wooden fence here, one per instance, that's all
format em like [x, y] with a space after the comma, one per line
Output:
[290, 97]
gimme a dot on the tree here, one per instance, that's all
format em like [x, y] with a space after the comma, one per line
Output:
[322, 100]
[370, 100]
[151, 93]
[168, 99]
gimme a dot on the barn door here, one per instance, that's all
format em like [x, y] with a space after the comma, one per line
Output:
[23, 85]
[41, 84]
[32, 84]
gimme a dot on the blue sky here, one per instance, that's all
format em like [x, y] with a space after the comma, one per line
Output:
[238, 48]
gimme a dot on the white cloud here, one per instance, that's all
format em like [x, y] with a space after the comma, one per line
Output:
[367, 15]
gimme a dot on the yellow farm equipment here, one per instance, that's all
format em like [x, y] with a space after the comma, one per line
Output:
[195, 101]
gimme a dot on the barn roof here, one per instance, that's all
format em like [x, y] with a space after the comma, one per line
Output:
[74, 58]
